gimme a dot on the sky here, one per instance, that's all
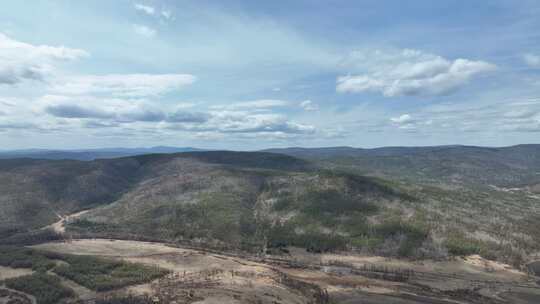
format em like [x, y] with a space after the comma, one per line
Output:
[247, 75]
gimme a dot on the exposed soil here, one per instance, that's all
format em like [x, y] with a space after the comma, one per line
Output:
[236, 280]
[59, 226]
[8, 272]
[214, 278]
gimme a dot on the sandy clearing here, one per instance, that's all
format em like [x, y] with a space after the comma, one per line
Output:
[492, 266]
[237, 276]
[180, 260]
[8, 272]
[340, 283]
[474, 265]
[107, 247]
[175, 259]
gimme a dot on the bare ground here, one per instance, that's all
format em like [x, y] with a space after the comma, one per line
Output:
[237, 280]
[59, 226]
[8, 272]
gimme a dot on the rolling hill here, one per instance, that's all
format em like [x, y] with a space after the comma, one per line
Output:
[266, 201]
[515, 166]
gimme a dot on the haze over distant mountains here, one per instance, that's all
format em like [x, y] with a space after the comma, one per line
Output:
[513, 165]
[91, 154]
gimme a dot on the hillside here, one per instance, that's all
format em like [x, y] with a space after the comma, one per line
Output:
[257, 201]
[234, 198]
[35, 192]
[515, 166]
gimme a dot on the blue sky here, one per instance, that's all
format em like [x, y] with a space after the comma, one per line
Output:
[256, 74]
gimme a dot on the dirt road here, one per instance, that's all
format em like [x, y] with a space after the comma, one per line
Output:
[60, 226]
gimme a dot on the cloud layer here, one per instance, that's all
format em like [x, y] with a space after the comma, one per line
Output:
[408, 72]
[21, 61]
[128, 85]
[94, 112]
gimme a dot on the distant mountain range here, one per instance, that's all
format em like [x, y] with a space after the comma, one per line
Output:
[514, 166]
[518, 151]
[91, 154]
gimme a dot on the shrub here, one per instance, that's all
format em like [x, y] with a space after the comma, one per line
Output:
[411, 234]
[103, 274]
[31, 238]
[414, 235]
[321, 203]
[125, 300]
[94, 273]
[312, 240]
[20, 257]
[459, 245]
[47, 289]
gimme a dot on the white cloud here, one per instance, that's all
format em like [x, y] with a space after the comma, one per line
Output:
[409, 72]
[309, 105]
[100, 109]
[145, 8]
[532, 60]
[144, 30]
[166, 14]
[405, 118]
[128, 85]
[94, 112]
[254, 105]
[408, 123]
[152, 11]
[23, 61]
[245, 122]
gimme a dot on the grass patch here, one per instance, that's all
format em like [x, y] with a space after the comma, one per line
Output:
[460, 245]
[92, 272]
[20, 257]
[102, 274]
[45, 288]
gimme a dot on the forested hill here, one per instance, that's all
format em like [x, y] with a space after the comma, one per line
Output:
[256, 200]
[515, 166]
